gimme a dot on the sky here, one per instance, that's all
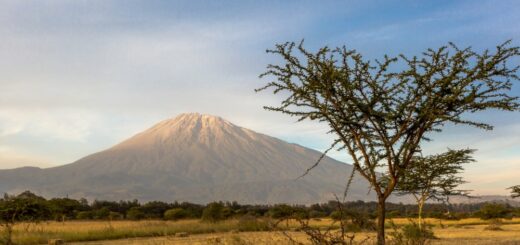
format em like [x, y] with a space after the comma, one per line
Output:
[80, 76]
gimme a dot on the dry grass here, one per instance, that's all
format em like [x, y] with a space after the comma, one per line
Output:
[467, 231]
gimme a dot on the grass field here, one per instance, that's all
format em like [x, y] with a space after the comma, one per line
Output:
[467, 231]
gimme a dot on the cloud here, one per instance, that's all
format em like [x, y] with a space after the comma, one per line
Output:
[63, 125]
[78, 77]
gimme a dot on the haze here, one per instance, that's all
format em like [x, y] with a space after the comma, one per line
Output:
[80, 76]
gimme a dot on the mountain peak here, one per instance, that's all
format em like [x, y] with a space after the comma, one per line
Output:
[194, 118]
[183, 129]
[197, 158]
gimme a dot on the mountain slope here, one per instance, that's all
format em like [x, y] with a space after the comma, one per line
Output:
[196, 158]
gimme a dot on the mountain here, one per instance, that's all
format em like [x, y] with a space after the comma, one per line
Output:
[196, 158]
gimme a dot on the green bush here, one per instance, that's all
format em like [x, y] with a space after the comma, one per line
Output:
[251, 223]
[115, 215]
[215, 212]
[135, 213]
[412, 234]
[281, 211]
[175, 214]
[84, 215]
[494, 211]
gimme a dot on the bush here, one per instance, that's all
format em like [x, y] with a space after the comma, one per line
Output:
[134, 213]
[412, 234]
[251, 223]
[102, 213]
[281, 211]
[84, 215]
[215, 212]
[494, 211]
[317, 214]
[115, 216]
[175, 214]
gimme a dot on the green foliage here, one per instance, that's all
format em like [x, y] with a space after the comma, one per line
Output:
[175, 214]
[354, 220]
[381, 115]
[494, 211]
[515, 191]
[65, 208]
[24, 207]
[215, 212]
[435, 176]
[411, 234]
[252, 223]
[115, 216]
[135, 213]
[84, 215]
[281, 211]
[155, 209]
[102, 213]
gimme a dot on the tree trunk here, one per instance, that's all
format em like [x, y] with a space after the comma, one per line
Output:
[9, 234]
[381, 212]
[420, 221]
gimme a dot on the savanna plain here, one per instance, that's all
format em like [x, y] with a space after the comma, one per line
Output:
[465, 231]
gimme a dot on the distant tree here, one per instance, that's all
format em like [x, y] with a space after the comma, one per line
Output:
[175, 214]
[215, 211]
[155, 209]
[281, 211]
[26, 207]
[135, 213]
[380, 114]
[434, 177]
[515, 191]
[494, 211]
[63, 208]
[84, 215]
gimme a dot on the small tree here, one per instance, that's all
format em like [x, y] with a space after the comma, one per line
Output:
[380, 114]
[135, 213]
[434, 177]
[215, 212]
[175, 214]
[515, 191]
[494, 211]
[25, 207]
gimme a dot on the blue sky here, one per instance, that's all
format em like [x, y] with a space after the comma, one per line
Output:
[80, 76]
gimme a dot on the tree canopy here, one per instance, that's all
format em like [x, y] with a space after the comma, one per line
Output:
[380, 112]
[435, 177]
[515, 191]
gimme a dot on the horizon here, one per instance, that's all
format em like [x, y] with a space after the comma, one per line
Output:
[79, 78]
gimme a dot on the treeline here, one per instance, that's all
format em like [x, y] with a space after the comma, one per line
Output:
[30, 207]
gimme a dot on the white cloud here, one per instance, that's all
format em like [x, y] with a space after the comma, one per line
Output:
[67, 125]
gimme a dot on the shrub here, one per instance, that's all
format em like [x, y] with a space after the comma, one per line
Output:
[84, 215]
[175, 214]
[134, 213]
[251, 223]
[280, 211]
[215, 212]
[494, 211]
[115, 216]
[411, 234]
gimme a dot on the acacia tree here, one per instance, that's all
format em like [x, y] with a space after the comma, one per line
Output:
[515, 191]
[434, 177]
[26, 207]
[380, 114]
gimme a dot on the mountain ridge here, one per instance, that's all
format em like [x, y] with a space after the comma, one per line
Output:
[198, 158]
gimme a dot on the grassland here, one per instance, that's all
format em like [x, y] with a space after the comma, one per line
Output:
[467, 231]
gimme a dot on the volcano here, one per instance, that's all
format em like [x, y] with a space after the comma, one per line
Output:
[195, 158]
